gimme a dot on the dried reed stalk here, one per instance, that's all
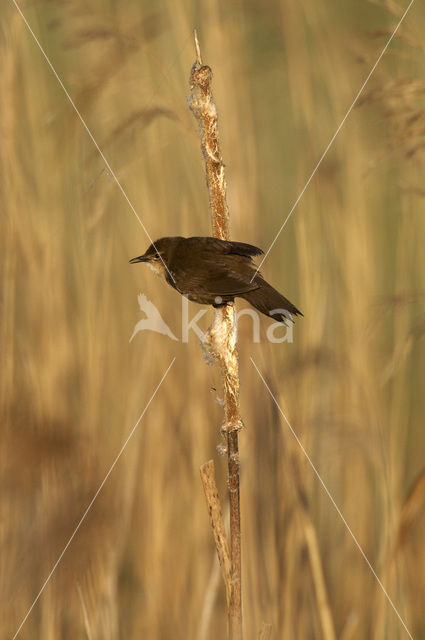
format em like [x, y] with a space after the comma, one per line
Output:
[217, 522]
[222, 335]
[323, 608]
[85, 613]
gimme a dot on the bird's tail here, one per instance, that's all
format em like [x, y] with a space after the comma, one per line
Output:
[270, 302]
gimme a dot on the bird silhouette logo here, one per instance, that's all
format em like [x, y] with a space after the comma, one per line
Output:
[153, 320]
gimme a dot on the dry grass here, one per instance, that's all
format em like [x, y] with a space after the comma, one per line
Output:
[72, 387]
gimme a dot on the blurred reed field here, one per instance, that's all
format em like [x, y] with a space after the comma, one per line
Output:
[142, 564]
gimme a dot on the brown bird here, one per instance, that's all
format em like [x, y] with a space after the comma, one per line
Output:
[212, 271]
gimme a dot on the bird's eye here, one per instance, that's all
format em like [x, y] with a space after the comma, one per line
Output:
[157, 255]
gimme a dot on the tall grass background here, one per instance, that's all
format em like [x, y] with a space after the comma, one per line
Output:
[351, 257]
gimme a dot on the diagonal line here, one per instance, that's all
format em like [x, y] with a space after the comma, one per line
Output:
[88, 131]
[333, 501]
[93, 499]
[333, 138]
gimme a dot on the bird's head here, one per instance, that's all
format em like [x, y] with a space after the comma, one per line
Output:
[157, 255]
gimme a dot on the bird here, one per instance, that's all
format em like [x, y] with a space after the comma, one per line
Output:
[212, 271]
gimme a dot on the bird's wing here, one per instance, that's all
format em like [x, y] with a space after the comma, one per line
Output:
[220, 280]
[241, 248]
[226, 247]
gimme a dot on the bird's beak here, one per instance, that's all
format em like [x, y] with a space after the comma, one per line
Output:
[139, 259]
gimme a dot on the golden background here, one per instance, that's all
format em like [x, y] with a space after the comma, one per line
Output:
[351, 257]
